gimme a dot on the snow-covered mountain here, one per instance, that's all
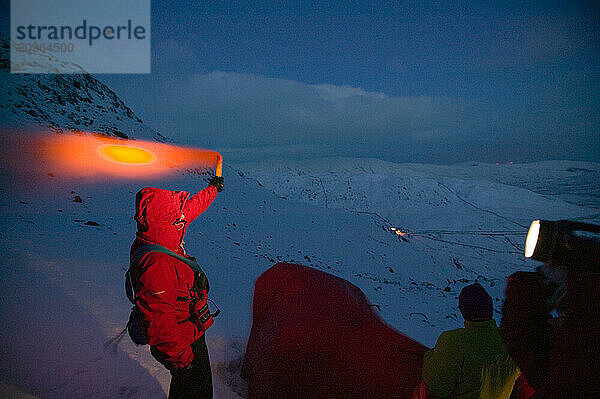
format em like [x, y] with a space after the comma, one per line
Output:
[65, 102]
[65, 245]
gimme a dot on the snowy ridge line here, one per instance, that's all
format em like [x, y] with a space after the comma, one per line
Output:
[479, 208]
[372, 214]
[472, 246]
[576, 182]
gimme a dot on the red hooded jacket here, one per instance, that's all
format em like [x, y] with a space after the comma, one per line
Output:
[162, 283]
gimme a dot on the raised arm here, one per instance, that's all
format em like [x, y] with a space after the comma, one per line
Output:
[198, 203]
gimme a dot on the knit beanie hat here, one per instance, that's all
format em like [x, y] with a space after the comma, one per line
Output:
[475, 303]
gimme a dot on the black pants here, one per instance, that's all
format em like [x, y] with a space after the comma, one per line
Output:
[196, 382]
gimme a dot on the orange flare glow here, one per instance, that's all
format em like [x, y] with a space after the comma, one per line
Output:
[126, 154]
[84, 155]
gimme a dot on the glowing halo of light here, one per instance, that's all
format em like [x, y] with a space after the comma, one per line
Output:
[126, 154]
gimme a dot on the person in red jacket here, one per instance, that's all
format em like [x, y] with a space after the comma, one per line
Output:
[163, 287]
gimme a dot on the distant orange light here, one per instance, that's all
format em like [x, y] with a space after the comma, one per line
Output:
[398, 232]
[126, 154]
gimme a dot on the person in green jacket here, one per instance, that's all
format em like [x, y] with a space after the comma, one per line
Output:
[471, 362]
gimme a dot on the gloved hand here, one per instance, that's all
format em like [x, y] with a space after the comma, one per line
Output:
[217, 181]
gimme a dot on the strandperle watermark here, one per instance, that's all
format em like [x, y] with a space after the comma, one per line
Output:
[84, 32]
[59, 36]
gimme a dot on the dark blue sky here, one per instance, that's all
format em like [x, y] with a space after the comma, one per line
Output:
[446, 48]
[406, 81]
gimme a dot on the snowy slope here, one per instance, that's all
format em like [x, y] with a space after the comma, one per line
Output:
[80, 266]
[464, 229]
[573, 181]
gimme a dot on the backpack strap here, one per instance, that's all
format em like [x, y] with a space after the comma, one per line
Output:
[139, 253]
[146, 248]
[129, 288]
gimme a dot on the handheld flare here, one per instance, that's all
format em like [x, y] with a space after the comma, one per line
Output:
[219, 167]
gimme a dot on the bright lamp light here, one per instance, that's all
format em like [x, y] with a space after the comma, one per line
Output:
[532, 238]
[564, 243]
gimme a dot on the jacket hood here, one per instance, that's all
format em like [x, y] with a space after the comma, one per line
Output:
[156, 211]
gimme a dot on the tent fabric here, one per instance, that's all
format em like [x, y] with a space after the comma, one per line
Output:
[314, 335]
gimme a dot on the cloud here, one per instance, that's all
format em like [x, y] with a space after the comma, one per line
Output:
[336, 93]
[247, 109]
[233, 110]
